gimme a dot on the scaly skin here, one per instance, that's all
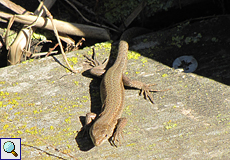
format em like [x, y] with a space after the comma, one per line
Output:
[112, 94]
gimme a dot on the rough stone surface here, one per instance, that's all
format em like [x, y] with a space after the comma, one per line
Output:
[45, 105]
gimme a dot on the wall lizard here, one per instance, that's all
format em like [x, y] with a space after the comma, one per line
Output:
[108, 124]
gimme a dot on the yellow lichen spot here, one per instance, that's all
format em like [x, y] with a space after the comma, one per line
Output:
[24, 62]
[1, 104]
[144, 60]
[14, 102]
[131, 144]
[19, 132]
[69, 133]
[85, 97]
[27, 130]
[76, 83]
[152, 145]
[2, 82]
[169, 124]
[66, 151]
[74, 105]
[16, 113]
[35, 111]
[31, 60]
[67, 120]
[33, 128]
[18, 98]
[52, 127]
[22, 127]
[5, 126]
[165, 75]
[73, 59]
[2, 93]
[133, 55]
[13, 136]
[127, 110]
[14, 84]
[137, 72]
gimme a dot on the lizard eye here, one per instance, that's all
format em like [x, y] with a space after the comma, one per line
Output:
[106, 135]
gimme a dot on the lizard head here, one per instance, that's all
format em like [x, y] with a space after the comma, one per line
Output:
[100, 133]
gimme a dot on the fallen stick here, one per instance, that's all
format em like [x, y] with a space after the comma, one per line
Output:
[17, 48]
[63, 27]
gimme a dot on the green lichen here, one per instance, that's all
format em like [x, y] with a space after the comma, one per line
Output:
[177, 40]
[38, 36]
[214, 39]
[118, 11]
[193, 39]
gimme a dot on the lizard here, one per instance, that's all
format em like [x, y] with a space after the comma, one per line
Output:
[108, 125]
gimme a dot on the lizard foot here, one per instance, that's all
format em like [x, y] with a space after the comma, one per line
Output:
[97, 68]
[94, 62]
[118, 133]
[145, 90]
[88, 123]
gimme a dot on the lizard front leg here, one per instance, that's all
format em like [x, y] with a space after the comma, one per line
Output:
[98, 69]
[145, 90]
[88, 122]
[118, 133]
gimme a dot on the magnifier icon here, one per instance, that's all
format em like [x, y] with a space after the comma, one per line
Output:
[9, 147]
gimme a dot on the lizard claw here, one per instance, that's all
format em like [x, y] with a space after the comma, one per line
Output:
[94, 62]
[118, 134]
[145, 90]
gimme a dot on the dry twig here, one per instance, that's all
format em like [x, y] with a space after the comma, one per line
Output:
[58, 39]
[14, 7]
